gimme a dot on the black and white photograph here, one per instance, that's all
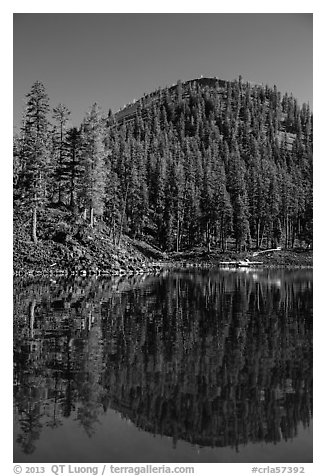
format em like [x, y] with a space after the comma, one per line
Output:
[162, 237]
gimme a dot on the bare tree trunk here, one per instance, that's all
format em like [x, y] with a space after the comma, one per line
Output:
[72, 181]
[32, 317]
[286, 231]
[113, 233]
[208, 238]
[34, 223]
[262, 236]
[180, 230]
[91, 211]
[222, 237]
[60, 164]
[294, 232]
[123, 215]
[178, 235]
[257, 234]
[72, 201]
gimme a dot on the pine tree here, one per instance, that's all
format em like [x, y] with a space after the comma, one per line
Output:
[113, 200]
[159, 184]
[239, 198]
[17, 169]
[34, 152]
[72, 167]
[193, 186]
[208, 205]
[137, 203]
[222, 203]
[61, 115]
[93, 162]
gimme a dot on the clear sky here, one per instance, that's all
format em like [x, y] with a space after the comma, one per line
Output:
[113, 58]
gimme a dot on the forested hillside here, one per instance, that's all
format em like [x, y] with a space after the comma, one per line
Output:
[225, 165]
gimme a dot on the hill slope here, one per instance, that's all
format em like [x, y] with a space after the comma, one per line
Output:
[71, 247]
[211, 161]
[224, 165]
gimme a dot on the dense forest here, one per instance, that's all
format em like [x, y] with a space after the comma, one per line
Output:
[224, 164]
[212, 358]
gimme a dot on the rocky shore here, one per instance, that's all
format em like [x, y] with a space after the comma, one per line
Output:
[79, 250]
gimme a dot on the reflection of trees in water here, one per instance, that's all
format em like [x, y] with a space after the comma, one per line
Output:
[212, 358]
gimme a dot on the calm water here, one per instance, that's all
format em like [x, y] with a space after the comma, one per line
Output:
[189, 366]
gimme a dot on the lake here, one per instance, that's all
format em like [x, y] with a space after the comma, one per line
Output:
[185, 366]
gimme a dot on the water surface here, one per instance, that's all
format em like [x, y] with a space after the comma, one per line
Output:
[188, 366]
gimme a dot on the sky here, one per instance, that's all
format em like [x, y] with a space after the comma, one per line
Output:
[112, 58]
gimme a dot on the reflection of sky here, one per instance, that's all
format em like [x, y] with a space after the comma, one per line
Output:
[276, 281]
[115, 440]
[272, 277]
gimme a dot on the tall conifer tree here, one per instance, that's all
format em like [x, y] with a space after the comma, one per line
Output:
[34, 152]
[93, 163]
[61, 115]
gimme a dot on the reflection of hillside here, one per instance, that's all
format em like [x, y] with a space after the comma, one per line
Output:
[217, 373]
[211, 358]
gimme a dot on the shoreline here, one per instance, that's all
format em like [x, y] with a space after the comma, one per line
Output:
[66, 248]
[291, 260]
